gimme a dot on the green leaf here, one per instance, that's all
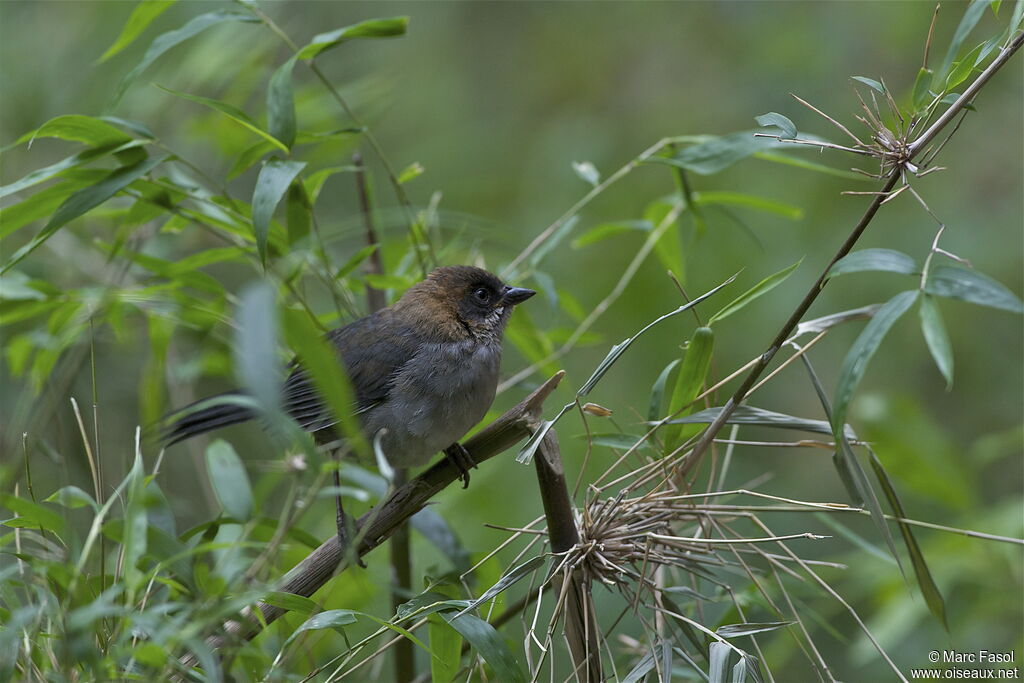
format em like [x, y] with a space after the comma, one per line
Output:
[871, 83]
[509, 579]
[445, 642]
[888, 260]
[692, 375]
[922, 94]
[273, 181]
[951, 282]
[491, 646]
[936, 338]
[141, 17]
[315, 182]
[43, 203]
[356, 260]
[736, 630]
[232, 112]
[78, 128]
[785, 126]
[796, 162]
[229, 479]
[42, 174]
[658, 391]
[750, 415]
[32, 514]
[929, 590]
[763, 287]
[715, 153]
[372, 28]
[972, 15]
[281, 104]
[166, 41]
[333, 619]
[84, 200]
[603, 231]
[291, 602]
[298, 213]
[321, 362]
[856, 362]
[718, 659]
[16, 286]
[73, 497]
[749, 201]
[257, 364]
[962, 69]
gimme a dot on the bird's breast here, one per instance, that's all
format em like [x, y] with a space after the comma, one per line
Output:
[438, 396]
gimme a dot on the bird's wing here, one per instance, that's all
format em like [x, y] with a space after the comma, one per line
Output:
[373, 349]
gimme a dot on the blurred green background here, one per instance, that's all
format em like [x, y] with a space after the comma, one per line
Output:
[496, 100]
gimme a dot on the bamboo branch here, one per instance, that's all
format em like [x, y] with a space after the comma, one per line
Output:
[378, 524]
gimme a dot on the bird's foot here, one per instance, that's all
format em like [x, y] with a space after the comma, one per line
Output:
[462, 460]
[345, 548]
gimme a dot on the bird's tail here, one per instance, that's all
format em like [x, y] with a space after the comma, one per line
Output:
[219, 411]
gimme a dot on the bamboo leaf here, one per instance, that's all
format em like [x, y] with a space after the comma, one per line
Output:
[229, 480]
[856, 362]
[491, 646]
[232, 112]
[372, 28]
[273, 181]
[763, 287]
[969, 285]
[166, 41]
[692, 375]
[929, 590]
[936, 338]
[83, 201]
[141, 17]
[888, 260]
[281, 104]
[771, 119]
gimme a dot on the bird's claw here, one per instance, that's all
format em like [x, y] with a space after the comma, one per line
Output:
[462, 460]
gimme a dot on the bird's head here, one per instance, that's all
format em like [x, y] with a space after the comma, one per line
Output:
[462, 301]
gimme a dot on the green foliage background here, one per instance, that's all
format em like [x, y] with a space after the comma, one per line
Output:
[495, 101]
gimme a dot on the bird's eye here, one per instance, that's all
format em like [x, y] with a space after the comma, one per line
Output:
[482, 294]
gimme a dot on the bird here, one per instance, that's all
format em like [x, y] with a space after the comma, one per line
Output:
[424, 371]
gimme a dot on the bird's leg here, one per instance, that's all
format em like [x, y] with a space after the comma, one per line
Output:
[462, 460]
[344, 523]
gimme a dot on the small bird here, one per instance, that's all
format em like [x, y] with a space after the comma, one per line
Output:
[424, 371]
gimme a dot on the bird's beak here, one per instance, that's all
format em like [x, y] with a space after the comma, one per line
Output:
[517, 295]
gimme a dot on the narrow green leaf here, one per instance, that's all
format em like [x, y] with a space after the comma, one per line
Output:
[32, 514]
[334, 619]
[888, 260]
[229, 480]
[136, 525]
[864, 494]
[321, 362]
[445, 642]
[73, 497]
[43, 174]
[298, 213]
[315, 182]
[871, 83]
[291, 602]
[273, 181]
[736, 630]
[356, 260]
[718, 660]
[856, 362]
[232, 112]
[658, 391]
[962, 69]
[603, 231]
[372, 28]
[749, 201]
[951, 282]
[972, 15]
[750, 415]
[281, 104]
[692, 375]
[141, 17]
[84, 200]
[796, 162]
[763, 287]
[410, 172]
[716, 153]
[639, 672]
[936, 338]
[771, 119]
[922, 95]
[78, 128]
[44, 202]
[257, 364]
[491, 646]
[929, 590]
[166, 41]
[509, 579]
